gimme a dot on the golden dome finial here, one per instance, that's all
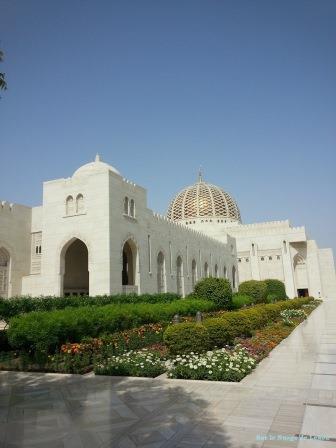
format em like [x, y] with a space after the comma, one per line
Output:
[200, 174]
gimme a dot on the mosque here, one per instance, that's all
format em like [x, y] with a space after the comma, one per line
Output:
[94, 234]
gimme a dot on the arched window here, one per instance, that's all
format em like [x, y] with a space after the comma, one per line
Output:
[206, 270]
[4, 272]
[126, 205]
[161, 274]
[79, 203]
[216, 270]
[70, 205]
[193, 273]
[225, 272]
[132, 208]
[233, 277]
[179, 276]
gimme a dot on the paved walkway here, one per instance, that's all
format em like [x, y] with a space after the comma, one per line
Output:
[293, 391]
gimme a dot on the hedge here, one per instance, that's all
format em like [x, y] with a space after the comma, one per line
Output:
[275, 290]
[256, 289]
[217, 290]
[20, 305]
[217, 332]
[45, 331]
[240, 300]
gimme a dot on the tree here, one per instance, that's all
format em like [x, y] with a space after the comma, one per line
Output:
[3, 84]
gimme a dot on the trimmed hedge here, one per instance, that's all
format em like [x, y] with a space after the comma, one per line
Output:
[223, 330]
[240, 300]
[194, 335]
[275, 290]
[20, 305]
[218, 290]
[256, 289]
[45, 331]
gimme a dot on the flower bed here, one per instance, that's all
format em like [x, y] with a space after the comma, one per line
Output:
[132, 363]
[216, 365]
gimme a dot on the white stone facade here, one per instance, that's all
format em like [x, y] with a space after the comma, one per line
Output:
[95, 235]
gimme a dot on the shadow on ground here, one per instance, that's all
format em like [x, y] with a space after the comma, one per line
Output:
[73, 411]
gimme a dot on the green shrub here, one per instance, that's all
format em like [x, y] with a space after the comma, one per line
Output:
[256, 289]
[45, 331]
[4, 345]
[275, 290]
[240, 300]
[182, 338]
[218, 290]
[20, 305]
[187, 336]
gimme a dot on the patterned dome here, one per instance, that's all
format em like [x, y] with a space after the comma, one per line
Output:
[203, 200]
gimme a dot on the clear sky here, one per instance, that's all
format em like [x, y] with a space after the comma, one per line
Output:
[247, 89]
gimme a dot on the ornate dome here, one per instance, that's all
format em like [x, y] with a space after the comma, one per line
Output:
[94, 167]
[203, 200]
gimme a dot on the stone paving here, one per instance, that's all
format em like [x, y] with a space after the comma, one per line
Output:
[291, 392]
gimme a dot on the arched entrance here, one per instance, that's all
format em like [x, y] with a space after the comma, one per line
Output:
[76, 271]
[129, 267]
[161, 274]
[4, 272]
[179, 276]
[301, 276]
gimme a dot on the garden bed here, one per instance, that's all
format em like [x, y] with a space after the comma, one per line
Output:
[123, 354]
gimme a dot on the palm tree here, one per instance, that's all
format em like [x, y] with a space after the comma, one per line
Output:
[3, 84]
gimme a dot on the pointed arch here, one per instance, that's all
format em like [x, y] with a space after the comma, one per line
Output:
[79, 203]
[161, 272]
[75, 268]
[4, 272]
[193, 273]
[206, 269]
[69, 205]
[179, 276]
[130, 266]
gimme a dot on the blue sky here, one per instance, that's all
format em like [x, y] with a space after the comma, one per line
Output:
[247, 89]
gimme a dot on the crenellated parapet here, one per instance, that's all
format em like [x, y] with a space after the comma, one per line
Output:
[6, 206]
[181, 226]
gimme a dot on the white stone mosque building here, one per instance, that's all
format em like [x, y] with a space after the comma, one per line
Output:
[94, 234]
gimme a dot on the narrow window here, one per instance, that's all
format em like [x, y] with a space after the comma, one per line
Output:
[132, 208]
[126, 205]
[170, 258]
[149, 254]
[79, 203]
[69, 205]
